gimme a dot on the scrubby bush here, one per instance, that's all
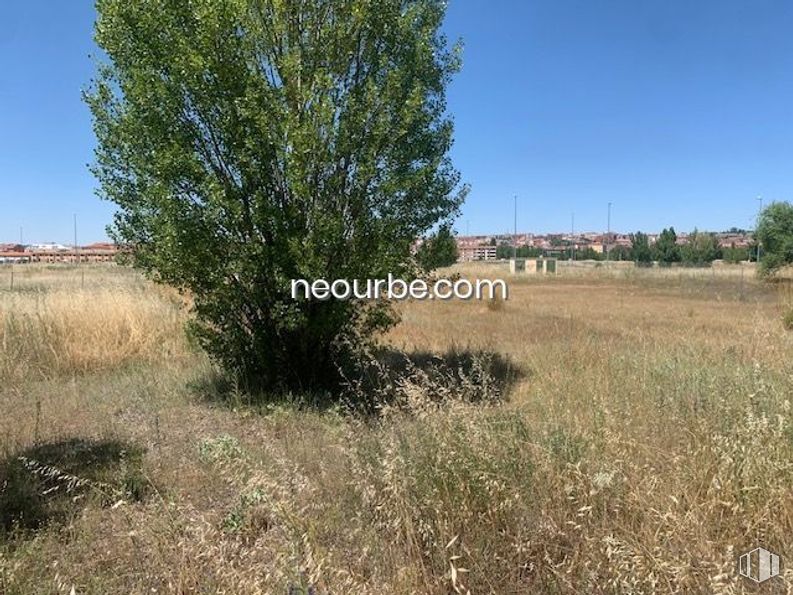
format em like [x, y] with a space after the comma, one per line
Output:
[775, 234]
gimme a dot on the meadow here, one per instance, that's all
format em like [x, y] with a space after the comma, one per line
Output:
[601, 431]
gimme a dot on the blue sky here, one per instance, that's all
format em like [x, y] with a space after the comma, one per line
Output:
[678, 112]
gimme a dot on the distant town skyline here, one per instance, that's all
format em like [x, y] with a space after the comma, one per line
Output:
[495, 234]
[677, 113]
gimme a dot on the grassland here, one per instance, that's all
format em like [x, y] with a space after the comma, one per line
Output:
[636, 436]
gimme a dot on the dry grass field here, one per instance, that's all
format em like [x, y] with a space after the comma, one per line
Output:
[631, 432]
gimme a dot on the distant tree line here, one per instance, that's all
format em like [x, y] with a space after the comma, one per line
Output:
[505, 250]
[775, 235]
[701, 249]
[772, 246]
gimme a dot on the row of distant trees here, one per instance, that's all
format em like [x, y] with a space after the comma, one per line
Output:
[702, 248]
[774, 232]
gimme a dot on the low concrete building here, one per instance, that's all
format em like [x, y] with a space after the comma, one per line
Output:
[477, 253]
[533, 266]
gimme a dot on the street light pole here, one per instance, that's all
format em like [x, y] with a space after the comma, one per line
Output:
[76, 252]
[572, 233]
[515, 229]
[760, 212]
[608, 236]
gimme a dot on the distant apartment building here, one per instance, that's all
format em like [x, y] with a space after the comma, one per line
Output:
[476, 248]
[735, 241]
[476, 253]
[11, 253]
[57, 253]
[474, 241]
[48, 247]
[12, 248]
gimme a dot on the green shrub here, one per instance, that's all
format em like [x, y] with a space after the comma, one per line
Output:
[787, 320]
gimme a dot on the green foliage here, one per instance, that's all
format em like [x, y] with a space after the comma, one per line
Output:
[236, 520]
[665, 249]
[640, 248]
[506, 250]
[439, 250]
[529, 252]
[220, 448]
[735, 255]
[589, 253]
[249, 143]
[775, 234]
[702, 248]
[621, 253]
[787, 319]
[566, 448]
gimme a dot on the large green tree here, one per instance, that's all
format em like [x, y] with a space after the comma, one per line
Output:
[641, 252]
[251, 142]
[665, 249]
[775, 234]
[438, 250]
[702, 248]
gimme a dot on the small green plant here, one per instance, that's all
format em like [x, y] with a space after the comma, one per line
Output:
[223, 447]
[787, 319]
[565, 447]
[244, 513]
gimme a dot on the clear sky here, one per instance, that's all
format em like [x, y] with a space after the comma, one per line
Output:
[678, 112]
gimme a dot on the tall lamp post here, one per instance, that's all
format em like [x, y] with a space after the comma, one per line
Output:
[515, 229]
[572, 236]
[760, 212]
[608, 236]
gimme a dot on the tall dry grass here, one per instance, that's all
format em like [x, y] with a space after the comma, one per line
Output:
[648, 442]
[50, 329]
